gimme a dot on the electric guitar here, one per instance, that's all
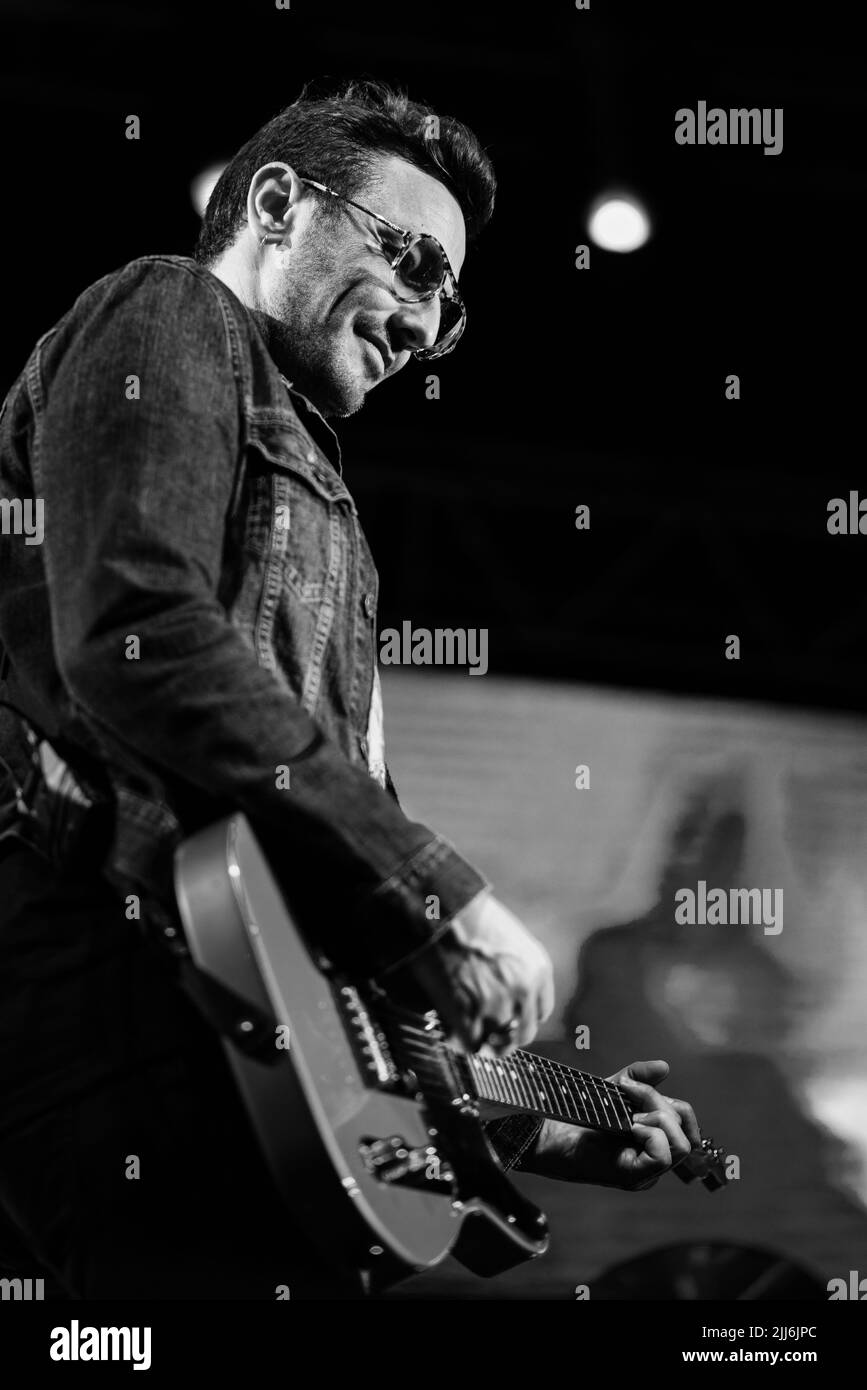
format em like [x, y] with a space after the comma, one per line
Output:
[361, 1106]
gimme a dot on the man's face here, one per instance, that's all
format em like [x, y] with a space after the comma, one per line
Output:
[331, 290]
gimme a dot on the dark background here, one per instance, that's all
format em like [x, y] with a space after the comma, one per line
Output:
[708, 517]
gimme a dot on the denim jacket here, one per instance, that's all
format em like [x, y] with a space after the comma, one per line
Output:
[197, 622]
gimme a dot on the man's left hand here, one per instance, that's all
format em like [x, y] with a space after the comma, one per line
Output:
[663, 1131]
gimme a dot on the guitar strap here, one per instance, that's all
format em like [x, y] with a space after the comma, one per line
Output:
[249, 1029]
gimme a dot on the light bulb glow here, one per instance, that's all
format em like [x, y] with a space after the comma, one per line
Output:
[618, 224]
[202, 187]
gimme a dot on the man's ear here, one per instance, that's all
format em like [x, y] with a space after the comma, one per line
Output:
[273, 200]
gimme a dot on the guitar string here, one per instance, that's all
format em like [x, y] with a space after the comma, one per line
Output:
[552, 1070]
[439, 1060]
[555, 1072]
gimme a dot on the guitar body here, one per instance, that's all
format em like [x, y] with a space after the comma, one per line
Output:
[387, 1176]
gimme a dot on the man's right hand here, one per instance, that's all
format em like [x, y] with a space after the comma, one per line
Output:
[486, 973]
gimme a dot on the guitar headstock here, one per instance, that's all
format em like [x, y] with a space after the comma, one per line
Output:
[706, 1163]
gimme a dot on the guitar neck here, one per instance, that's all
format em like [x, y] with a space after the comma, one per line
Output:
[534, 1085]
[539, 1086]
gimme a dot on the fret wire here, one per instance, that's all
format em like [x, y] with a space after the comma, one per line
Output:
[580, 1095]
[543, 1074]
[562, 1091]
[537, 1082]
[535, 1073]
[490, 1082]
[523, 1080]
[588, 1080]
[550, 1076]
[541, 1099]
[493, 1070]
[480, 1078]
[484, 1085]
[580, 1112]
[593, 1094]
[585, 1095]
[558, 1077]
[491, 1075]
[597, 1101]
[515, 1080]
[522, 1084]
[579, 1106]
[610, 1112]
[594, 1118]
[526, 1080]
[552, 1087]
[626, 1117]
[508, 1080]
[600, 1098]
[613, 1091]
[562, 1079]
[514, 1063]
[501, 1067]
[493, 1081]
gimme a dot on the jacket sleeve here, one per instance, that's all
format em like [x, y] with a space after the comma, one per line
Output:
[137, 488]
[513, 1137]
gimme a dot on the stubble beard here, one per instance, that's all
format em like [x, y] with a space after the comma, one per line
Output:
[312, 358]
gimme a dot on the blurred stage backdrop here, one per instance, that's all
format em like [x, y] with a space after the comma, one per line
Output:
[764, 1032]
[602, 387]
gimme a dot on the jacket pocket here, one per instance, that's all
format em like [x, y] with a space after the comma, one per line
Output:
[296, 522]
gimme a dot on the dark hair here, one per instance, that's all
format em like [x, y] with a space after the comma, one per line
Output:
[336, 138]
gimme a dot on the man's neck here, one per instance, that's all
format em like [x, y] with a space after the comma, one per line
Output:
[234, 271]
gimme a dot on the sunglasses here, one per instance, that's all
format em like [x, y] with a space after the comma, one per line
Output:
[419, 270]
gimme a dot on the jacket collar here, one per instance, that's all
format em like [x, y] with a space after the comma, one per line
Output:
[316, 423]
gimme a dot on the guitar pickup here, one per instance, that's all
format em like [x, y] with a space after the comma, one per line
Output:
[392, 1160]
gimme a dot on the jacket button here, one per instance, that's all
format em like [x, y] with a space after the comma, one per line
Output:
[311, 456]
[369, 605]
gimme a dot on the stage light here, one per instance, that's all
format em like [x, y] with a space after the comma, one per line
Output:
[202, 187]
[618, 222]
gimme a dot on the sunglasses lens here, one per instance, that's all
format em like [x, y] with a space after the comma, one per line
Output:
[420, 273]
[451, 318]
[420, 268]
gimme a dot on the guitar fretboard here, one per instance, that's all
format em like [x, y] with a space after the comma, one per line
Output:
[524, 1081]
[536, 1085]
[521, 1081]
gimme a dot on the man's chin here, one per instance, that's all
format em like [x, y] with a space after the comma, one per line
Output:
[335, 398]
[350, 405]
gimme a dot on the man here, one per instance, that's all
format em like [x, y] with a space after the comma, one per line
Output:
[195, 631]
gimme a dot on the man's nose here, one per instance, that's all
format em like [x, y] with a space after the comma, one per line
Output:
[414, 326]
